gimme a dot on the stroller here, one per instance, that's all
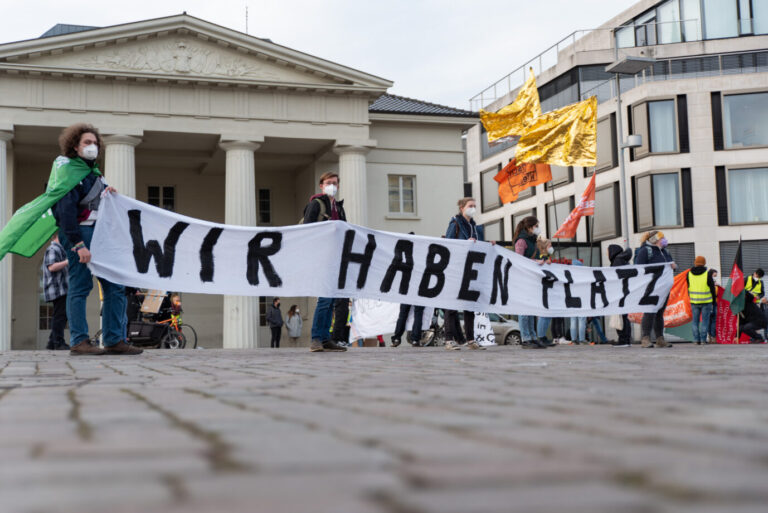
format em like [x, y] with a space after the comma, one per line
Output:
[154, 321]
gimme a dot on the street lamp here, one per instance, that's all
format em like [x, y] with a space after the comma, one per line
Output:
[626, 66]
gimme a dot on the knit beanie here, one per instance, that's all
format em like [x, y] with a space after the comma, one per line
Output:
[700, 261]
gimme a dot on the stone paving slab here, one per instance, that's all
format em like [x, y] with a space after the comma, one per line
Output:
[401, 430]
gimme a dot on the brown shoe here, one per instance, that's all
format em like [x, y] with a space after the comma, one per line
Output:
[123, 348]
[660, 342]
[85, 347]
[646, 342]
[316, 346]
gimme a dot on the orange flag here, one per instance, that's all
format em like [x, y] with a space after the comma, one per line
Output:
[514, 179]
[586, 207]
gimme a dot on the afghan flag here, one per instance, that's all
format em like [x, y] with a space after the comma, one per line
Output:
[33, 224]
[734, 288]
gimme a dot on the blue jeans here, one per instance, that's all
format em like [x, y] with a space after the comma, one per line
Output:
[527, 330]
[713, 322]
[113, 318]
[598, 331]
[543, 326]
[321, 322]
[701, 315]
[579, 329]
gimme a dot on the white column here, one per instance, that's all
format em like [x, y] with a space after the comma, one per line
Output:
[120, 163]
[5, 265]
[241, 313]
[353, 182]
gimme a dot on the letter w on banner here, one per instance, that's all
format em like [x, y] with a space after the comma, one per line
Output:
[586, 207]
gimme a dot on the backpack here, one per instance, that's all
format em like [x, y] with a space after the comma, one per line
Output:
[322, 215]
[637, 252]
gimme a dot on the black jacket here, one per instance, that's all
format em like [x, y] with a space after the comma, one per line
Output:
[618, 256]
[274, 317]
[752, 312]
[312, 212]
[67, 210]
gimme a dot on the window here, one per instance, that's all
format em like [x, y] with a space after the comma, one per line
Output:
[402, 194]
[265, 206]
[625, 37]
[607, 148]
[692, 16]
[162, 196]
[262, 311]
[607, 217]
[747, 195]
[759, 17]
[488, 150]
[494, 230]
[560, 176]
[669, 22]
[657, 201]
[645, 29]
[744, 120]
[683, 255]
[45, 309]
[655, 122]
[489, 190]
[754, 254]
[720, 19]
[557, 213]
[745, 17]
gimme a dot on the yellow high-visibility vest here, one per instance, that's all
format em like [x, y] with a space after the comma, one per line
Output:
[698, 289]
[755, 287]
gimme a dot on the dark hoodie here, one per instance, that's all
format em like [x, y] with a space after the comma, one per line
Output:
[618, 256]
[312, 210]
[699, 270]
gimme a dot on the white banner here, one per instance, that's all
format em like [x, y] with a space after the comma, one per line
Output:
[371, 317]
[484, 334]
[144, 246]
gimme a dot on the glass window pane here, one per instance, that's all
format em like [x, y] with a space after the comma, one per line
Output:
[720, 19]
[663, 130]
[747, 195]
[560, 175]
[669, 22]
[643, 196]
[625, 38]
[760, 17]
[640, 127]
[494, 230]
[408, 206]
[605, 138]
[666, 199]
[408, 183]
[745, 17]
[490, 190]
[745, 120]
[394, 201]
[606, 224]
[692, 20]
[556, 214]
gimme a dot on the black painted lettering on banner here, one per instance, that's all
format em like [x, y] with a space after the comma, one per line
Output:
[206, 253]
[402, 262]
[142, 254]
[258, 257]
[438, 258]
[625, 275]
[570, 301]
[547, 282]
[349, 257]
[598, 287]
[469, 275]
[500, 281]
[648, 298]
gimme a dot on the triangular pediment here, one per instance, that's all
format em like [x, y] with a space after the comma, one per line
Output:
[187, 48]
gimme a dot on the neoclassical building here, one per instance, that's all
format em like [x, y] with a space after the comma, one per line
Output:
[219, 125]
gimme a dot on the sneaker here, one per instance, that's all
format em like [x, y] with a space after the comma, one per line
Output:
[546, 343]
[532, 344]
[316, 346]
[331, 346]
[123, 349]
[84, 348]
[474, 345]
[395, 342]
[450, 345]
[619, 344]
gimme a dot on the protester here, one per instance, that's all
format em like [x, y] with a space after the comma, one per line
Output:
[55, 283]
[653, 251]
[596, 331]
[275, 321]
[526, 232]
[619, 257]
[752, 319]
[578, 324]
[754, 285]
[293, 324]
[703, 294]
[402, 318]
[324, 207]
[462, 226]
[76, 214]
[545, 251]
[712, 330]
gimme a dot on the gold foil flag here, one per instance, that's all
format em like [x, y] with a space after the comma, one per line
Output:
[512, 119]
[562, 137]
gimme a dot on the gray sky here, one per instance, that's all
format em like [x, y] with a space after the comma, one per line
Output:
[443, 51]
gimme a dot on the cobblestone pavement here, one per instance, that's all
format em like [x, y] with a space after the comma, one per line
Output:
[573, 429]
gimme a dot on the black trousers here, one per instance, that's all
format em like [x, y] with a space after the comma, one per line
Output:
[339, 331]
[751, 329]
[654, 321]
[418, 314]
[58, 323]
[453, 328]
[625, 333]
[558, 327]
[276, 331]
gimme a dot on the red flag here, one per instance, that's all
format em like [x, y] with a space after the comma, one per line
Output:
[586, 207]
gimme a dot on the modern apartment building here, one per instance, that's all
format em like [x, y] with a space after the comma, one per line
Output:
[701, 174]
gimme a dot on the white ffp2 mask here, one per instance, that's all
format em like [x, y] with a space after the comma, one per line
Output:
[90, 152]
[331, 190]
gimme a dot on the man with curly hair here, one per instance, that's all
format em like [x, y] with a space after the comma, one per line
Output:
[76, 213]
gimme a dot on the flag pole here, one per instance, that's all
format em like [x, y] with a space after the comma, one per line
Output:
[591, 238]
[557, 223]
